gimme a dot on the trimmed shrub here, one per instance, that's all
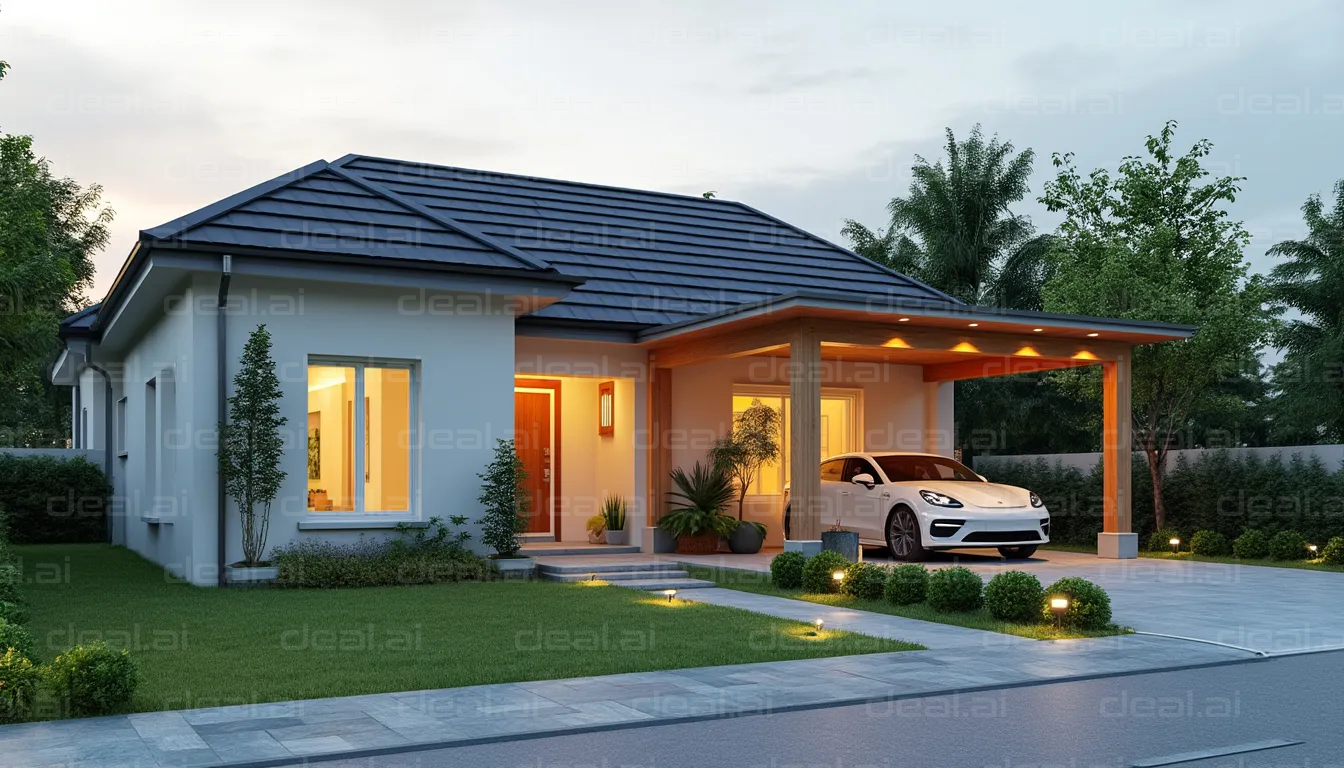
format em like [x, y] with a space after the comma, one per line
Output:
[1251, 545]
[1160, 541]
[864, 581]
[19, 681]
[1208, 544]
[907, 584]
[1288, 545]
[955, 589]
[786, 570]
[51, 501]
[1333, 553]
[93, 679]
[1089, 605]
[15, 636]
[369, 563]
[10, 579]
[818, 572]
[1015, 596]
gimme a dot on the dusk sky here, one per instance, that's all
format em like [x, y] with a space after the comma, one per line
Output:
[810, 111]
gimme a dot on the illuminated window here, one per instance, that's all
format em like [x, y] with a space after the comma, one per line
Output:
[378, 476]
[838, 412]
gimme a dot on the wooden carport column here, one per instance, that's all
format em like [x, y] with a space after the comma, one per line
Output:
[1116, 539]
[805, 371]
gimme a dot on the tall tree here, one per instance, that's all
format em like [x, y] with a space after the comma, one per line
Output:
[1156, 243]
[50, 229]
[251, 447]
[1309, 406]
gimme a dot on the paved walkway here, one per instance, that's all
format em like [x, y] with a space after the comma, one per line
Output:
[357, 726]
[926, 633]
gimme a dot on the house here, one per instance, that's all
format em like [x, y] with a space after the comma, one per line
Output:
[420, 312]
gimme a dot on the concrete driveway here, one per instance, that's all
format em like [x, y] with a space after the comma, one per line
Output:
[1273, 610]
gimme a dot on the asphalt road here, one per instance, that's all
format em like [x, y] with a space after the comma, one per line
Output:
[1111, 722]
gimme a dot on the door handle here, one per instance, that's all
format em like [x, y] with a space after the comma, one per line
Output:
[546, 474]
[844, 493]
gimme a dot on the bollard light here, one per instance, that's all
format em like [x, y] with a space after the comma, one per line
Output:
[1058, 607]
[819, 623]
[1175, 545]
[838, 575]
[1312, 549]
[671, 593]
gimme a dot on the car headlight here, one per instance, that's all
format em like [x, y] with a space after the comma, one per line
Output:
[939, 499]
[1035, 500]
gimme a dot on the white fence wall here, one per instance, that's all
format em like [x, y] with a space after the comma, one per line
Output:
[1332, 456]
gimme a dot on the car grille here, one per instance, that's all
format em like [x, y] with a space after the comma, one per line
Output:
[995, 537]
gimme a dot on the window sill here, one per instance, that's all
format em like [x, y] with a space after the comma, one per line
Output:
[357, 525]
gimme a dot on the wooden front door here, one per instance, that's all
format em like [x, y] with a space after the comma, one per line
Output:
[536, 421]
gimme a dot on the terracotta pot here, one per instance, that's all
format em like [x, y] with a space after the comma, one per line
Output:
[699, 544]
[597, 537]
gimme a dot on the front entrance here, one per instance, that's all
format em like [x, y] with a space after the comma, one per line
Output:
[536, 423]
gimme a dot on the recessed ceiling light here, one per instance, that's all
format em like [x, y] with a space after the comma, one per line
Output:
[975, 325]
[1037, 330]
[904, 320]
[1092, 335]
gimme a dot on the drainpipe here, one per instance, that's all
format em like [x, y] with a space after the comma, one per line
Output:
[221, 360]
[107, 424]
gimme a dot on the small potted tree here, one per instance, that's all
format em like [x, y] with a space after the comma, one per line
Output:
[507, 508]
[613, 516]
[250, 453]
[753, 443]
[697, 518]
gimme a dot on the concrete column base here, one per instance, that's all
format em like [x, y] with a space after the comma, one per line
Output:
[808, 547]
[1118, 546]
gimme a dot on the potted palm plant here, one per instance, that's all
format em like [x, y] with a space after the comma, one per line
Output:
[754, 442]
[613, 515]
[697, 518]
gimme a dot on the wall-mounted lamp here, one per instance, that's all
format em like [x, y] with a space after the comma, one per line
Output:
[606, 409]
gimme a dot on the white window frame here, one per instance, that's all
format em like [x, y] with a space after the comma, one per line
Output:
[854, 395]
[413, 459]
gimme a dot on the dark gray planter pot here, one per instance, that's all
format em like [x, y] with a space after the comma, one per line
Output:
[844, 542]
[619, 538]
[663, 542]
[746, 540]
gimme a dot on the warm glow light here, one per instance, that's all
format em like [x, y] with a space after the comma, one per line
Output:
[896, 342]
[838, 575]
[974, 325]
[1093, 335]
[965, 346]
[1037, 330]
[1084, 355]
[1311, 548]
[671, 593]
[1174, 542]
[903, 320]
[1027, 352]
[819, 623]
[1059, 603]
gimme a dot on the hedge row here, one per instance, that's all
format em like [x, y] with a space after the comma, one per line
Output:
[1217, 492]
[49, 500]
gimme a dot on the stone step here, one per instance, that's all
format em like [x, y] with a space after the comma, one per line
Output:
[592, 567]
[670, 573]
[654, 585]
[553, 550]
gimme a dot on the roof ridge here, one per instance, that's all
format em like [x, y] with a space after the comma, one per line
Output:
[443, 221]
[218, 208]
[591, 185]
[849, 252]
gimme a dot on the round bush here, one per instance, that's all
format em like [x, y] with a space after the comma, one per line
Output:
[818, 572]
[1251, 545]
[1288, 545]
[864, 581]
[16, 637]
[1160, 541]
[1015, 596]
[1089, 605]
[1333, 553]
[19, 680]
[93, 679]
[1208, 543]
[955, 589]
[907, 584]
[786, 570]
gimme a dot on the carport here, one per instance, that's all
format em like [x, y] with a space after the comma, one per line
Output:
[810, 332]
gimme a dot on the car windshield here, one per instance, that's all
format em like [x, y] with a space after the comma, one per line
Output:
[901, 469]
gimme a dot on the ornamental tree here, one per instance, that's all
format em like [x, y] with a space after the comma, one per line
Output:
[1156, 243]
[507, 503]
[250, 446]
[753, 443]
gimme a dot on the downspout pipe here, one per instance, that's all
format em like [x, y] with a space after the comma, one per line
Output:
[107, 428]
[221, 374]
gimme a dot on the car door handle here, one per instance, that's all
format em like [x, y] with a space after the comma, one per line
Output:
[844, 493]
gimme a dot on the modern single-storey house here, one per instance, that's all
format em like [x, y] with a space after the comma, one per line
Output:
[420, 312]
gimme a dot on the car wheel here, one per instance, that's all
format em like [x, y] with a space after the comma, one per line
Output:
[903, 536]
[788, 512]
[1018, 553]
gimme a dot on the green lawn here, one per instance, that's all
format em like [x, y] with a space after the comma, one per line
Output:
[754, 581]
[1301, 565]
[205, 647]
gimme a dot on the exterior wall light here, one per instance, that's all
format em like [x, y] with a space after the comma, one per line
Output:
[606, 409]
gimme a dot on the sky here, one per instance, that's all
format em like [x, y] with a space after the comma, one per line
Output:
[810, 111]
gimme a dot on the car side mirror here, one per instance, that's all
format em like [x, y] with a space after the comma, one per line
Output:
[863, 478]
